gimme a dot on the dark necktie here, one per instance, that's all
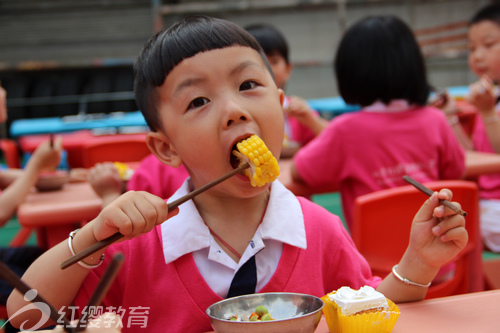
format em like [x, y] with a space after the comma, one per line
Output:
[245, 279]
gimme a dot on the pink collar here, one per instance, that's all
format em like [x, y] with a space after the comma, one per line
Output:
[397, 105]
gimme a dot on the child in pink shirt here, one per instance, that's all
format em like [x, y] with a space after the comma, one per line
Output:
[484, 61]
[204, 85]
[380, 67]
[302, 123]
[151, 176]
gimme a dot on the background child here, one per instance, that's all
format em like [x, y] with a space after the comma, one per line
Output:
[380, 67]
[210, 77]
[151, 176]
[484, 61]
[302, 123]
[15, 186]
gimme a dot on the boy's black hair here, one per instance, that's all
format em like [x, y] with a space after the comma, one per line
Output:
[270, 39]
[488, 13]
[168, 48]
[379, 59]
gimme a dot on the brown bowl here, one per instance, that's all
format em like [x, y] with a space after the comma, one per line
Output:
[52, 181]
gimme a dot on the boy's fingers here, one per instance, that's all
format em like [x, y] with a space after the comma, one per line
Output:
[427, 209]
[442, 211]
[458, 235]
[453, 222]
[160, 206]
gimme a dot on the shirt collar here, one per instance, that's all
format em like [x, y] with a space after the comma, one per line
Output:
[186, 232]
[397, 105]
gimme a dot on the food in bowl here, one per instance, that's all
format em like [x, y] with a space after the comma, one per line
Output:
[291, 313]
[261, 313]
[52, 180]
[363, 310]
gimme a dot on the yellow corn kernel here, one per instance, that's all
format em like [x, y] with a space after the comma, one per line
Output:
[263, 166]
[123, 170]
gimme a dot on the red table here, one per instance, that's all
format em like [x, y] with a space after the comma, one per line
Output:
[55, 214]
[467, 313]
[73, 143]
[474, 312]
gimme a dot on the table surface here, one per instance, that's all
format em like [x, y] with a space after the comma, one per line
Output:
[473, 312]
[467, 313]
[74, 202]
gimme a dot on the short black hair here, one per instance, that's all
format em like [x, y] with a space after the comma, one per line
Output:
[379, 59]
[169, 47]
[270, 39]
[487, 13]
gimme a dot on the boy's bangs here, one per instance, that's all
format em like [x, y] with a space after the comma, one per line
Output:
[168, 48]
[197, 34]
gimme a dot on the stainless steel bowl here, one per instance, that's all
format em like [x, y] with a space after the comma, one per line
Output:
[292, 313]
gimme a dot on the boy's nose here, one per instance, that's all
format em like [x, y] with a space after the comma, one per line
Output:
[241, 118]
[234, 113]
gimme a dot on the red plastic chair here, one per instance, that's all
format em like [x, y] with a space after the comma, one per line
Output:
[114, 149]
[381, 228]
[11, 153]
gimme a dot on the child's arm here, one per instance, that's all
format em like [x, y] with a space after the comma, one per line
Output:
[44, 157]
[437, 235]
[299, 109]
[106, 182]
[132, 214]
[446, 103]
[3, 105]
[482, 95]
[8, 176]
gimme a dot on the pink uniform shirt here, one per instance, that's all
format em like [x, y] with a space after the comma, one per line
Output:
[363, 152]
[154, 296]
[489, 185]
[157, 178]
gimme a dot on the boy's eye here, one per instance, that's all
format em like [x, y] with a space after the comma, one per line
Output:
[248, 85]
[198, 102]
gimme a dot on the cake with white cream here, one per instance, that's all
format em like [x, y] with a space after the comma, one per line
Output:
[362, 311]
[366, 299]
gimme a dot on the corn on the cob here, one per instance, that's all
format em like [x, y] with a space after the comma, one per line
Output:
[263, 166]
[123, 170]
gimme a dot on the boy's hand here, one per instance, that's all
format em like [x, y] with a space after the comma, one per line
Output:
[132, 214]
[482, 95]
[438, 234]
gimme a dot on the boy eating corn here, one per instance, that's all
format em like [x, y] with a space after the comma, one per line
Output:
[204, 85]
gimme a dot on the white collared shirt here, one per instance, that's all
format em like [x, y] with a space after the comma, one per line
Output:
[187, 233]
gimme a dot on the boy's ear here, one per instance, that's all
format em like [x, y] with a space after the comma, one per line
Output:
[162, 148]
